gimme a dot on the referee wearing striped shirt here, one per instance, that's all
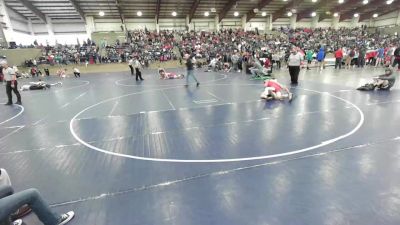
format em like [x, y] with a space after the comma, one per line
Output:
[11, 84]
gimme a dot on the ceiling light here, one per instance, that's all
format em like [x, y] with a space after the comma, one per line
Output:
[294, 10]
[336, 14]
[328, 13]
[174, 13]
[290, 14]
[206, 14]
[139, 13]
[365, 2]
[213, 10]
[101, 13]
[356, 15]
[236, 13]
[375, 15]
[314, 0]
[264, 14]
[341, 1]
[389, 2]
[313, 14]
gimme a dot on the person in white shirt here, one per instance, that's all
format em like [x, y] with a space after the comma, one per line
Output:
[77, 73]
[137, 66]
[11, 84]
[294, 63]
[130, 64]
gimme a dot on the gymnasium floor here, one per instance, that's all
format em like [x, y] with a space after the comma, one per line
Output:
[156, 153]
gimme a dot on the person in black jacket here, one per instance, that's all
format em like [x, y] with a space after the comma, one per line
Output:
[396, 58]
[190, 68]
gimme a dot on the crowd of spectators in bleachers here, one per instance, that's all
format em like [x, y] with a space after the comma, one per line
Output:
[363, 46]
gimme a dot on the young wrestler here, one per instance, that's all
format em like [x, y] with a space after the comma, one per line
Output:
[165, 76]
[61, 73]
[382, 82]
[38, 86]
[273, 90]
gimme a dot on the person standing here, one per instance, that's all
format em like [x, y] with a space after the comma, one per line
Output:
[380, 57]
[361, 57]
[11, 84]
[190, 72]
[294, 63]
[1, 73]
[396, 60]
[321, 58]
[137, 66]
[130, 63]
[339, 58]
[350, 56]
[235, 61]
[77, 73]
[309, 56]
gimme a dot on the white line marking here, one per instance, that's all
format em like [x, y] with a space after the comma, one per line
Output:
[206, 101]
[386, 102]
[37, 122]
[22, 151]
[20, 112]
[212, 94]
[169, 100]
[211, 174]
[211, 126]
[11, 133]
[118, 82]
[69, 103]
[81, 95]
[65, 105]
[65, 89]
[327, 142]
[13, 127]
[113, 108]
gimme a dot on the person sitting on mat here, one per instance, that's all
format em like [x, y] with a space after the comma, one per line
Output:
[273, 90]
[215, 65]
[165, 76]
[41, 85]
[258, 70]
[382, 82]
[23, 210]
[11, 202]
[227, 67]
[25, 75]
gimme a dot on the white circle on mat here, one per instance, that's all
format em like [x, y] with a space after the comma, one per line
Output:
[294, 152]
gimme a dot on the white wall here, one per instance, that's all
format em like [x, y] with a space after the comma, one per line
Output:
[18, 23]
[231, 23]
[107, 25]
[386, 20]
[69, 39]
[281, 22]
[140, 24]
[172, 24]
[206, 24]
[261, 24]
[21, 38]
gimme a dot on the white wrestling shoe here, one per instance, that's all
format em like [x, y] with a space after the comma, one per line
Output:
[17, 222]
[65, 218]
